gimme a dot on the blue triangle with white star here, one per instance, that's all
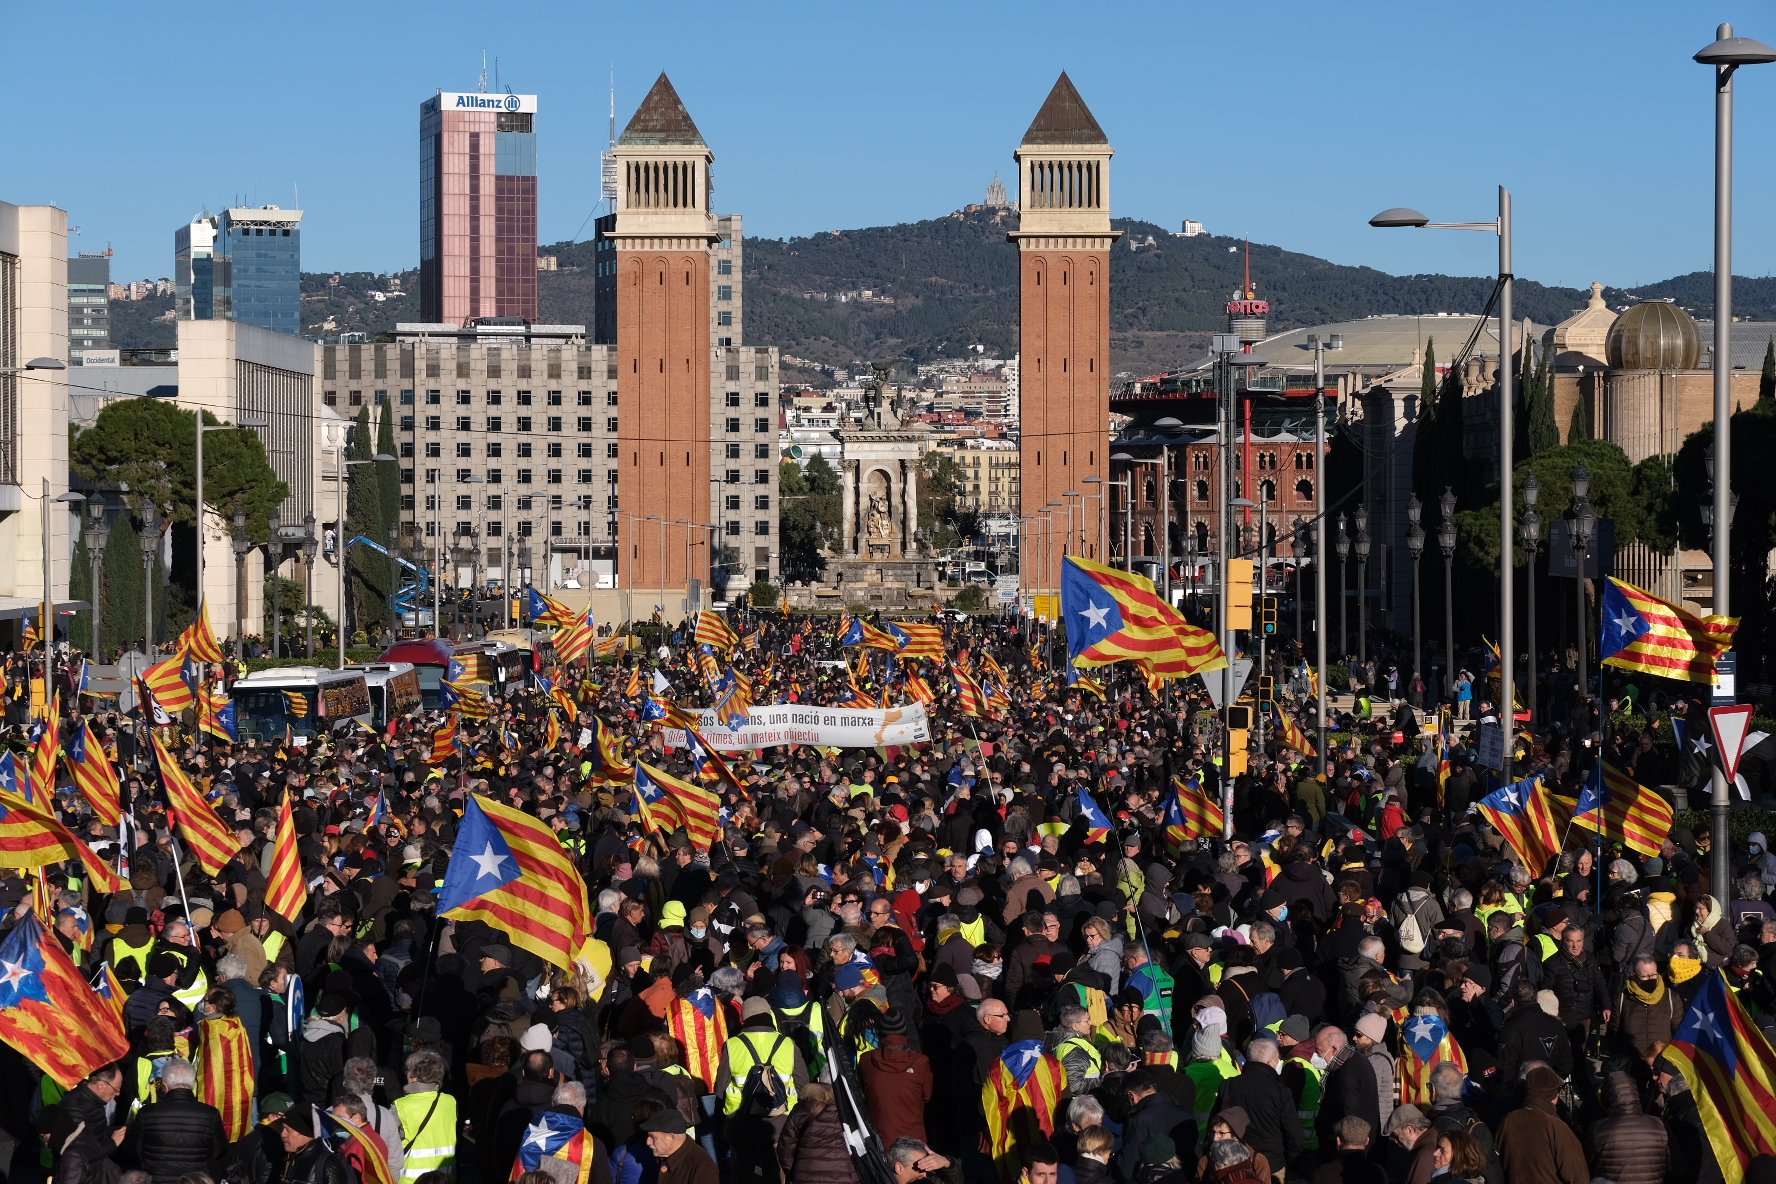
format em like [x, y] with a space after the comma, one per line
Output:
[480, 862]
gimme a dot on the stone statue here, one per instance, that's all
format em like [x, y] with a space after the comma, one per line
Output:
[878, 516]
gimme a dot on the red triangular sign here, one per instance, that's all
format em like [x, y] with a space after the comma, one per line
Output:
[1730, 724]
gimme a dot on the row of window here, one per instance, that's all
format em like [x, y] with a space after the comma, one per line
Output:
[761, 399]
[496, 423]
[759, 451]
[581, 476]
[494, 449]
[761, 424]
[495, 503]
[557, 529]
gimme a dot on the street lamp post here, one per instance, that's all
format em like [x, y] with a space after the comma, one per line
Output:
[340, 549]
[204, 429]
[1529, 537]
[1415, 547]
[1301, 540]
[1446, 543]
[1584, 521]
[1500, 226]
[274, 553]
[150, 540]
[68, 497]
[96, 532]
[1361, 517]
[1101, 492]
[243, 546]
[1344, 551]
[309, 545]
[1726, 54]
[1335, 342]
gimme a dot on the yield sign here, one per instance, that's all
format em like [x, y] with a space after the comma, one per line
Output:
[1730, 724]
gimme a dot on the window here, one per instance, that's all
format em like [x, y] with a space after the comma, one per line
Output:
[583, 399]
[464, 398]
[554, 476]
[761, 452]
[731, 477]
[762, 526]
[762, 502]
[407, 501]
[553, 450]
[331, 398]
[524, 504]
[724, 267]
[733, 423]
[406, 423]
[493, 423]
[524, 476]
[524, 423]
[555, 501]
[732, 501]
[610, 423]
[406, 450]
[523, 449]
[431, 476]
[465, 501]
[733, 451]
[524, 530]
[731, 528]
[762, 399]
[494, 530]
[495, 502]
[464, 476]
[494, 398]
[494, 447]
[554, 398]
[433, 449]
[761, 424]
[464, 449]
[583, 449]
[1304, 460]
[583, 476]
[761, 476]
[610, 451]
[724, 318]
[464, 423]
[554, 530]
[431, 501]
[407, 398]
[724, 291]
[610, 399]
[434, 398]
[733, 398]
[523, 398]
[583, 423]
[434, 423]
[554, 422]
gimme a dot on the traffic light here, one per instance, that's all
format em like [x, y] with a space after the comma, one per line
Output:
[1239, 593]
[1266, 688]
[1239, 717]
[1268, 615]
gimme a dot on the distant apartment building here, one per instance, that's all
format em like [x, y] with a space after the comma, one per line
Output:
[477, 207]
[89, 305]
[242, 265]
[990, 473]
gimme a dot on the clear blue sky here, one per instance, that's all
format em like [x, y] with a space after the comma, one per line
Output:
[1292, 129]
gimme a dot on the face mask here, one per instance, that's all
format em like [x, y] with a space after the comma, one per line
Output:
[699, 932]
[1283, 913]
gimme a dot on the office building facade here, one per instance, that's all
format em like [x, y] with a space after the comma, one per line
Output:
[242, 265]
[477, 207]
[89, 305]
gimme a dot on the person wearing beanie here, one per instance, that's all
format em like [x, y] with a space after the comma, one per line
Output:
[1534, 1143]
[308, 1159]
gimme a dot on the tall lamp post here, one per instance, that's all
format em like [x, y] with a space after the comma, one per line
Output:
[97, 529]
[1415, 547]
[1099, 491]
[243, 547]
[1446, 543]
[274, 555]
[204, 429]
[309, 545]
[1335, 342]
[1344, 552]
[68, 497]
[1500, 226]
[1584, 521]
[1361, 517]
[150, 540]
[1529, 537]
[1726, 54]
[1301, 540]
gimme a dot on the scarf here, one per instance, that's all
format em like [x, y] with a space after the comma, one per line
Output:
[1684, 969]
[1651, 996]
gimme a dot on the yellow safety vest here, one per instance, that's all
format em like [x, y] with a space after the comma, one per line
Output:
[1092, 1055]
[193, 995]
[781, 1053]
[427, 1144]
[1308, 1108]
[122, 952]
[975, 932]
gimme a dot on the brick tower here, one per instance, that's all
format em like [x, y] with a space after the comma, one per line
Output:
[1063, 239]
[662, 237]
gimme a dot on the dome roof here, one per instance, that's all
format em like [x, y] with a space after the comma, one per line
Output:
[1654, 336]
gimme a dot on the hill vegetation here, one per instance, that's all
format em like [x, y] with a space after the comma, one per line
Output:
[941, 287]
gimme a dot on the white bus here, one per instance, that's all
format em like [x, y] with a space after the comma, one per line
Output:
[301, 700]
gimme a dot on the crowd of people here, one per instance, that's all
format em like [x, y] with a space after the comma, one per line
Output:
[893, 964]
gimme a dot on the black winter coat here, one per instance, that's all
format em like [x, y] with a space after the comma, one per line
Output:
[1274, 1130]
[314, 1164]
[812, 1149]
[1349, 1089]
[178, 1135]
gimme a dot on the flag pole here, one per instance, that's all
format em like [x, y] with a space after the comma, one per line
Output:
[179, 873]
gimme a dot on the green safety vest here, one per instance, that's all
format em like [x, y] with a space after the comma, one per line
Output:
[1207, 1077]
[274, 945]
[427, 1144]
[122, 952]
[779, 1054]
[1155, 984]
[1546, 945]
[974, 932]
[1308, 1108]
[813, 1017]
[1092, 1055]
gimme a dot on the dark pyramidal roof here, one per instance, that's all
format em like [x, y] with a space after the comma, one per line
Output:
[662, 120]
[1064, 118]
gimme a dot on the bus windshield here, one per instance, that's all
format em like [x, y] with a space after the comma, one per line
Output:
[263, 713]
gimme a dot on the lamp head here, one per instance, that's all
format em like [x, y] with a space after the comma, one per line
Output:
[1581, 482]
[1735, 51]
[1399, 216]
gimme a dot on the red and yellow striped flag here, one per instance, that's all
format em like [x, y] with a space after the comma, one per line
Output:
[1617, 807]
[508, 869]
[1021, 1101]
[211, 840]
[45, 748]
[701, 1028]
[285, 890]
[713, 631]
[95, 776]
[224, 1062]
[1642, 632]
[668, 803]
[198, 641]
[1291, 732]
[1192, 812]
[444, 742]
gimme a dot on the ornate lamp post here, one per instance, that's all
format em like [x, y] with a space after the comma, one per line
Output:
[309, 545]
[243, 546]
[1344, 549]
[1361, 516]
[150, 540]
[1584, 522]
[1301, 547]
[96, 531]
[274, 556]
[1446, 541]
[1415, 547]
[1529, 537]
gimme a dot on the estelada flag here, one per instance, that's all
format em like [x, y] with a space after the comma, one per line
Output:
[508, 869]
[969, 696]
[573, 641]
[1119, 616]
[558, 1136]
[1642, 632]
[1020, 1099]
[1091, 815]
[1731, 1070]
[918, 641]
[223, 1057]
[444, 742]
[295, 704]
[857, 631]
[49, 1013]
[31, 836]
[166, 682]
[108, 987]
[46, 746]
[198, 641]
[608, 765]
[95, 776]
[1616, 806]
[1191, 812]
[1524, 817]
[211, 840]
[1425, 1043]
[1291, 732]
[700, 1026]
[713, 631]
[667, 803]
[285, 890]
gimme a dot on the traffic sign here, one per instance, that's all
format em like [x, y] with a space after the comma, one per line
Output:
[1730, 724]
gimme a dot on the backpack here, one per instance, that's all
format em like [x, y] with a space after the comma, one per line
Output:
[764, 1091]
[1408, 929]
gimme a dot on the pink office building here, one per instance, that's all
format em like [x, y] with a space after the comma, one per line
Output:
[477, 207]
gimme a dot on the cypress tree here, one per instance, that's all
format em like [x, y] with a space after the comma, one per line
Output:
[120, 587]
[79, 630]
[1578, 429]
[1767, 381]
[1544, 433]
[367, 571]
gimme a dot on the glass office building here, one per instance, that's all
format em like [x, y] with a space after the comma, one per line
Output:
[245, 265]
[477, 207]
